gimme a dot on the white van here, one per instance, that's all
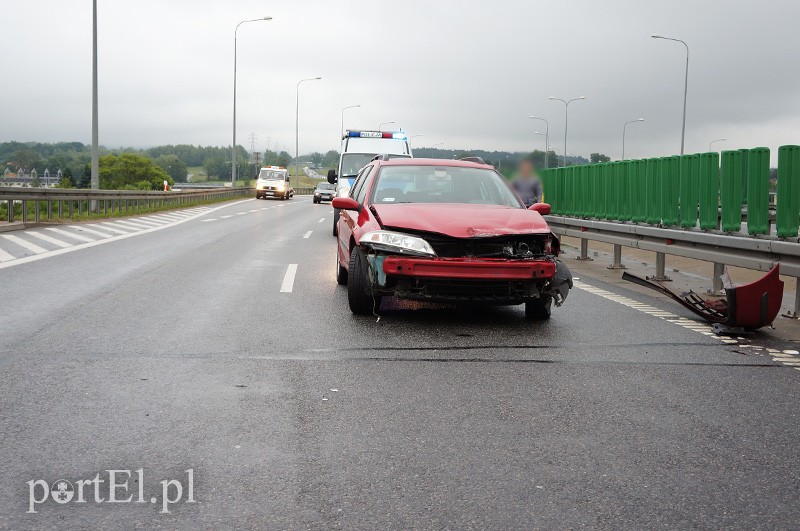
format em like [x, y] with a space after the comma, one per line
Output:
[358, 149]
[273, 181]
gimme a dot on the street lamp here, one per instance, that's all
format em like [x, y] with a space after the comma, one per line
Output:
[235, 41]
[380, 127]
[715, 141]
[344, 109]
[566, 119]
[297, 130]
[546, 139]
[624, 127]
[685, 84]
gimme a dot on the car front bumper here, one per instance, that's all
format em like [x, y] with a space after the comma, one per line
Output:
[486, 281]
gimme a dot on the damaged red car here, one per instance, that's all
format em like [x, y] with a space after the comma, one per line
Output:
[445, 231]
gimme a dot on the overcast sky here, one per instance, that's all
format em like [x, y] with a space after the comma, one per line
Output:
[467, 73]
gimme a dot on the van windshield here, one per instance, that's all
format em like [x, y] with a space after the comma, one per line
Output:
[353, 162]
[271, 174]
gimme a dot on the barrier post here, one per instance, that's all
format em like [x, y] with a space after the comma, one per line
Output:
[652, 192]
[758, 191]
[788, 192]
[730, 193]
[709, 191]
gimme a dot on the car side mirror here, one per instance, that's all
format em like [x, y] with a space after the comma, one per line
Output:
[332, 176]
[346, 203]
[541, 208]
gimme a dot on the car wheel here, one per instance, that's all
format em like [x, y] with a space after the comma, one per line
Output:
[258, 196]
[359, 292]
[341, 272]
[315, 201]
[335, 221]
[539, 309]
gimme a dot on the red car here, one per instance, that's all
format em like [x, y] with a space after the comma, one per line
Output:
[445, 231]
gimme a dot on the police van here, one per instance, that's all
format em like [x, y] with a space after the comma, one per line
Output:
[358, 149]
[273, 181]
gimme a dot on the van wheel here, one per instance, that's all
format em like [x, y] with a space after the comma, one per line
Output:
[359, 292]
[539, 309]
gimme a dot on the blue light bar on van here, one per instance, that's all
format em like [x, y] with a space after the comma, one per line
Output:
[376, 134]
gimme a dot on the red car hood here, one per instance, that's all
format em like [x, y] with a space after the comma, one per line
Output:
[461, 221]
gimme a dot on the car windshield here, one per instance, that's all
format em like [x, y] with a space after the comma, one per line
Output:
[271, 174]
[442, 184]
[324, 186]
[353, 162]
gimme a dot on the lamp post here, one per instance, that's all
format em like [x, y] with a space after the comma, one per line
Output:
[235, 43]
[95, 180]
[685, 84]
[624, 127]
[545, 149]
[566, 119]
[297, 130]
[344, 109]
[715, 141]
[380, 127]
[546, 139]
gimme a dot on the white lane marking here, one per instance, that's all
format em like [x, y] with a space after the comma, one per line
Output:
[241, 213]
[307, 234]
[48, 239]
[68, 234]
[109, 225]
[22, 243]
[91, 231]
[321, 220]
[254, 210]
[122, 236]
[212, 219]
[689, 324]
[226, 217]
[134, 224]
[5, 257]
[288, 279]
[265, 208]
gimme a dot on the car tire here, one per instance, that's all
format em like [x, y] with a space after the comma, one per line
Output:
[315, 200]
[341, 272]
[335, 222]
[539, 309]
[359, 292]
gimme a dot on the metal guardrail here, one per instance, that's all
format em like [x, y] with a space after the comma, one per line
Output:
[759, 253]
[54, 203]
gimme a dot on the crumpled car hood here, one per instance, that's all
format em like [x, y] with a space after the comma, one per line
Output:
[461, 221]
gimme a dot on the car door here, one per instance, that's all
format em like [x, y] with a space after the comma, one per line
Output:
[347, 219]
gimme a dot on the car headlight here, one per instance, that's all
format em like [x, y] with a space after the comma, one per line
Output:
[343, 192]
[281, 186]
[397, 242]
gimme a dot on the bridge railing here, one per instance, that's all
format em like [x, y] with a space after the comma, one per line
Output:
[37, 204]
[703, 191]
[701, 206]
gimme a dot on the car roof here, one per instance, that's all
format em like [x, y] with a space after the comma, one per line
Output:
[406, 161]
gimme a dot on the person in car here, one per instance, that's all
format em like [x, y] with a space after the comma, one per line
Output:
[527, 184]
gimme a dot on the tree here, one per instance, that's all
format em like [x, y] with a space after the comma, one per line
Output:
[174, 166]
[216, 168]
[284, 159]
[598, 157]
[316, 158]
[27, 158]
[331, 159]
[130, 171]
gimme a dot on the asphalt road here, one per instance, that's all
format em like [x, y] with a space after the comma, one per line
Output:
[187, 347]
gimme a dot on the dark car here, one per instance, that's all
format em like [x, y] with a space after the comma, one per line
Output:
[445, 231]
[324, 192]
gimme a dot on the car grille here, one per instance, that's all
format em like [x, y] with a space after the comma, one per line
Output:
[465, 290]
[484, 247]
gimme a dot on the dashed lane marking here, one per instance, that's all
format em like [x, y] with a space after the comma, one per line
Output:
[32, 247]
[307, 234]
[226, 217]
[288, 279]
[321, 220]
[211, 219]
[48, 239]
